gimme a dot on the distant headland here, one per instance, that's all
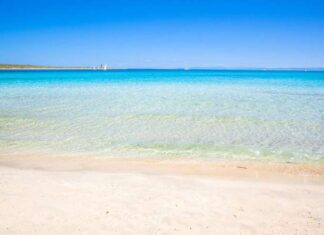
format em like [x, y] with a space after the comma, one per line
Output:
[39, 67]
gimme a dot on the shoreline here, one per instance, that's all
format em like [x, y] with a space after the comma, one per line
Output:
[248, 170]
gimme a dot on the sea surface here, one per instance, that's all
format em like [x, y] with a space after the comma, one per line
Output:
[196, 114]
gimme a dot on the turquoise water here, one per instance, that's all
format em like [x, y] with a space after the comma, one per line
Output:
[199, 114]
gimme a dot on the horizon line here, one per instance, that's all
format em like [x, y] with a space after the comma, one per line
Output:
[30, 66]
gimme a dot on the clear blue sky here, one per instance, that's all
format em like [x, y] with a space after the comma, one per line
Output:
[163, 33]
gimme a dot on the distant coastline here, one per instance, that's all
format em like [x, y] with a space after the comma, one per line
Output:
[39, 67]
[42, 67]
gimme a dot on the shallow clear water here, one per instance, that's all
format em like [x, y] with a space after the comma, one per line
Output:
[248, 115]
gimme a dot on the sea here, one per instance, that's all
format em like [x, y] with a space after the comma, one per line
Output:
[241, 115]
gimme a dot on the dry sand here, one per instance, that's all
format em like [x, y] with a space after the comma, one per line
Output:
[93, 196]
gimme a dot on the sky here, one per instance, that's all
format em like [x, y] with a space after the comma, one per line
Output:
[163, 33]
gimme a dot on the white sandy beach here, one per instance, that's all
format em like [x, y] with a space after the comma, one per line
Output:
[67, 197]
